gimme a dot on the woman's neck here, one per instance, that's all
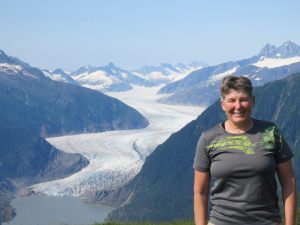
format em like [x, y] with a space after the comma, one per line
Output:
[234, 128]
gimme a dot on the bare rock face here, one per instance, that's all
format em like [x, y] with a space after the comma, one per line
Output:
[28, 157]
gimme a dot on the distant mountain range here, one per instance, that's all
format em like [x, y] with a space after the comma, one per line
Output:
[193, 84]
[166, 72]
[49, 108]
[163, 189]
[59, 75]
[201, 87]
[113, 78]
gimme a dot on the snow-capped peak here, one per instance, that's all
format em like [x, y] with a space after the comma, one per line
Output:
[289, 43]
[110, 68]
[166, 69]
[60, 71]
[271, 57]
[268, 51]
[287, 50]
[84, 69]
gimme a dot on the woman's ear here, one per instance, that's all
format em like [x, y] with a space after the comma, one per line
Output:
[222, 104]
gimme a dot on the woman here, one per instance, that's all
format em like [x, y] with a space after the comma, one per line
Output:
[241, 157]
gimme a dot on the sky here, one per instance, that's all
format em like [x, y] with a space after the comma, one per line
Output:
[69, 34]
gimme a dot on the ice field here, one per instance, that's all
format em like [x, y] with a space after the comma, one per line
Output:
[117, 156]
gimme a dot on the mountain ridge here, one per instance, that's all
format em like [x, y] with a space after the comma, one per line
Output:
[27, 93]
[113, 78]
[201, 86]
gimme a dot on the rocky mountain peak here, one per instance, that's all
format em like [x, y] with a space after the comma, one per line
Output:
[268, 51]
[289, 49]
[59, 71]
[286, 50]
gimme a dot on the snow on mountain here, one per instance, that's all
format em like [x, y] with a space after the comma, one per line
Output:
[59, 75]
[268, 51]
[11, 60]
[166, 72]
[117, 156]
[165, 68]
[83, 70]
[113, 78]
[15, 66]
[197, 77]
[15, 69]
[96, 79]
[276, 62]
[287, 50]
[270, 56]
[220, 76]
[201, 86]
[107, 78]
[10, 68]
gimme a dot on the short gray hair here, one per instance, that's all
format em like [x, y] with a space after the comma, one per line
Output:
[241, 83]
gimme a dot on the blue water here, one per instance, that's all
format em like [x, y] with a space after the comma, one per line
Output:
[48, 210]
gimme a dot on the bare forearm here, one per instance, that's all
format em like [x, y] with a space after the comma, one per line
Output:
[289, 197]
[200, 208]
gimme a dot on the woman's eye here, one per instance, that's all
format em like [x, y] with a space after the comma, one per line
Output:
[245, 100]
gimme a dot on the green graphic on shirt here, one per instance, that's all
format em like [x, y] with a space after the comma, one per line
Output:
[269, 138]
[242, 143]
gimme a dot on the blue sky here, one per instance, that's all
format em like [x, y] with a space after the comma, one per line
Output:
[133, 33]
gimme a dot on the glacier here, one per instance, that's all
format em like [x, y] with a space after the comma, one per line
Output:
[117, 156]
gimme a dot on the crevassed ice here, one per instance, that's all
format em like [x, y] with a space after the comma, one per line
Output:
[117, 156]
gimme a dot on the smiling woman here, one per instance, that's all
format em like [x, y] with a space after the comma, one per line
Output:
[242, 155]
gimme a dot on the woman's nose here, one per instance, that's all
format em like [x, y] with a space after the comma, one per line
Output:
[237, 105]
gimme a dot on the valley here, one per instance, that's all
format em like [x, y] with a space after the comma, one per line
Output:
[117, 156]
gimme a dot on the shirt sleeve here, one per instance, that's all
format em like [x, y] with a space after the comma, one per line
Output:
[202, 160]
[283, 151]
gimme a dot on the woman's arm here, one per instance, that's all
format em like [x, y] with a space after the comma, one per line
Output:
[289, 191]
[201, 191]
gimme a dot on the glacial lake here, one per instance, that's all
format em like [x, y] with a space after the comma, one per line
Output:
[49, 210]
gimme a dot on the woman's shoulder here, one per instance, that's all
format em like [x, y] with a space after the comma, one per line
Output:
[213, 131]
[263, 123]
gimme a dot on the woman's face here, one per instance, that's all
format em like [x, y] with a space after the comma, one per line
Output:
[238, 107]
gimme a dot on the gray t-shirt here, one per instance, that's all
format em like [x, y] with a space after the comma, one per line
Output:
[242, 167]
